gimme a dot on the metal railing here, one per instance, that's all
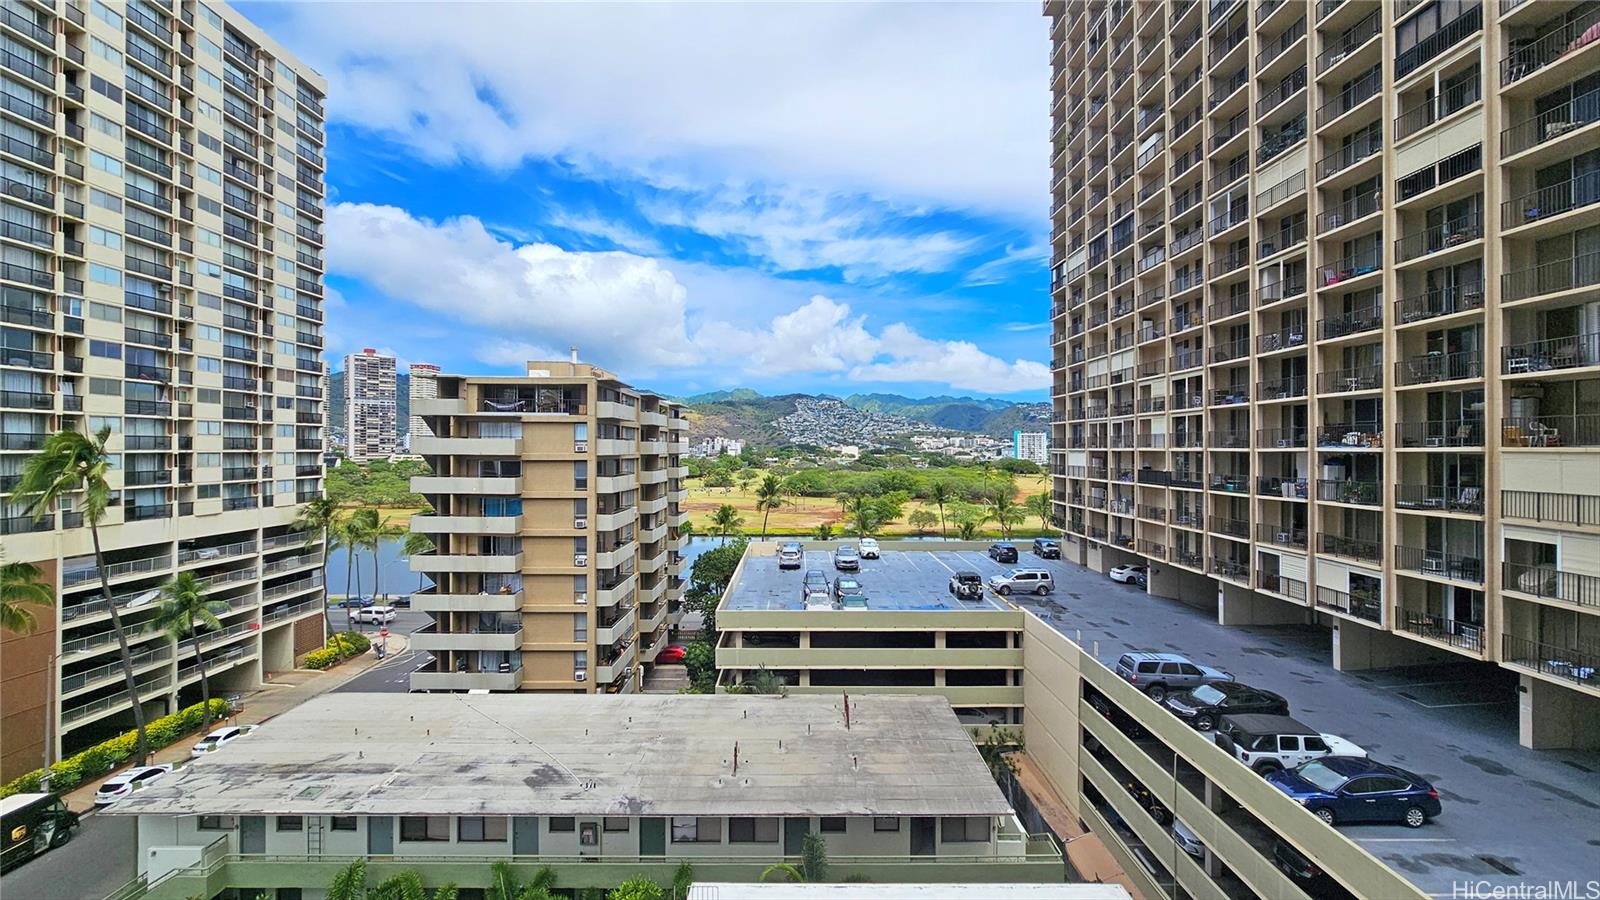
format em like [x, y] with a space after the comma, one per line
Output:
[1549, 583]
[1438, 563]
[1293, 588]
[1452, 98]
[1552, 277]
[1355, 378]
[1353, 322]
[1341, 490]
[1576, 193]
[1441, 433]
[1581, 110]
[1580, 665]
[1527, 57]
[1571, 352]
[1361, 606]
[1550, 431]
[1461, 635]
[1461, 230]
[1455, 31]
[1439, 302]
[1350, 434]
[1550, 506]
[1437, 367]
[1281, 535]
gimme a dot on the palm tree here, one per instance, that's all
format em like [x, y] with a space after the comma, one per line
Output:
[355, 530]
[726, 519]
[377, 532]
[320, 516]
[417, 544]
[939, 493]
[1040, 505]
[1005, 512]
[825, 531]
[184, 609]
[20, 586]
[865, 514]
[72, 461]
[769, 496]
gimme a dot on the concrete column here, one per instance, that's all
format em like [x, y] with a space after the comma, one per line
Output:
[1357, 647]
[1094, 559]
[1553, 717]
[1182, 585]
[1239, 605]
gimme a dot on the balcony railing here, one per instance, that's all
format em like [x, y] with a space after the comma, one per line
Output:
[1352, 96]
[1555, 199]
[1350, 434]
[1580, 665]
[1355, 378]
[1439, 302]
[1436, 367]
[1441, 433]
[1353, 266]
[1462, 635]
[1349, 41]
[1442, 39]
[1550, 506]
[1353, 322]
[1435, 238]
[1281, 535]
[1551, 431]
[1527, 57]
[1361, 606]
[1454, 97]
[1438, 563]
[1551, 354]
[1364, 493]
[1581, 110]
[1549, 583]
[1552, 277]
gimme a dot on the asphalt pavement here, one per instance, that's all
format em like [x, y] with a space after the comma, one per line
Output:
[393, 675]
[99, 859]
[1512, 816]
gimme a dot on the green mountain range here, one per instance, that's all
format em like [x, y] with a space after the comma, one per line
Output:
[747, 414]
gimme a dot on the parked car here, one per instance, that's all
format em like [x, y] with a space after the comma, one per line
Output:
[790, 556]
[846, 559]
[814, 589]
[1202, 706]
[1129, 574]
[127, 781]
[853, 601]
[1159, 673]
[402, 601]
[1187, 841]
[1342, 790]
[966, 585]
[355, 602]
[1270, 743]
[672, 653]
[1047, 548]
[218, 739]
[846, 586]
[1025, 581]
[374, 615]
[1003, 553]
[868, 548]
[1305, 873]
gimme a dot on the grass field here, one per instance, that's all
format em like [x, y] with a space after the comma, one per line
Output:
[801, 515]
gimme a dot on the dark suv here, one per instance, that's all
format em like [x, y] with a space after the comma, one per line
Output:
[1046, 548]
[1202, 706]
[1003, 553]
[1158, 674]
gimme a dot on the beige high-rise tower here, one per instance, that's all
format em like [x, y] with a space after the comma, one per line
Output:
[371, 408]
[1327, 324]
[422, 385]
[163, 203]
[556, 502]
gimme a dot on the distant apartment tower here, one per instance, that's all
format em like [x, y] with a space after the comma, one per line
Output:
[162, 278]
[1033, 446]
[370, 409]
[557, 501]
[424, 385]
[1326, 323]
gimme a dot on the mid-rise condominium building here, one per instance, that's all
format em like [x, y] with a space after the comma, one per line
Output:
[557, 503]
[1327, 323]
[422, 385]
[1033, 446]
[163, 204]
[371, 410]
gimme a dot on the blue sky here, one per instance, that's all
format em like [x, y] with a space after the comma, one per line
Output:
[818, 197]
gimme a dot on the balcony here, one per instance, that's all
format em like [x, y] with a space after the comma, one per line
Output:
[1580, 666]
[508, 680]
[467, 446]
[1546, 582]
[475, 563]
[613, 593]
[1356, 321]
[1439, 433]
[505, 638]
[1355, 378]
[619, 630]
[618, 666]
[1553, 277]
[1553, 200]
[431, 602]
[1439, 302]
[493, 525]
[1551, 124]
[1574, 352]
[1441, 498]
[1551, 431]
[1432, 368]
[1466, 636]
[1565, 38]
[1281, 535]
[1467, 23]
[446, 484]
[1438, 564]
[1363, 605]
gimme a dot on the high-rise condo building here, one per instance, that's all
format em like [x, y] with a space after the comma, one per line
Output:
[422, 385]
[162, 278]
[1033, 446]
[1327, 324]
[557, 502]
[370, 406]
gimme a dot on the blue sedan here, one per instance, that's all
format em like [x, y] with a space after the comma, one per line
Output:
[1345, 790]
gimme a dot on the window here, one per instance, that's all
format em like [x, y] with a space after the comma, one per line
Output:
[1316, 745]
[208, 491]
[104, 125]
[105, 239]
[290, 823]
[696, 830]
[563, 825]
[207, 364]
[104, 274]
[107, 387]
[424, 828]
[104, 200]
[105, 51]
[215, 823]
[207, 460]
[102, 311]
[885, 823]
[104, 163]
[743, 830]
[208, 428]
[964, 829]
[481, 828]
[208, 332]
[833, 824]
[105, 349]
[617, 823]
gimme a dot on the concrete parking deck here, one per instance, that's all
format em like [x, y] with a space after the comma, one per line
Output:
[901, 580]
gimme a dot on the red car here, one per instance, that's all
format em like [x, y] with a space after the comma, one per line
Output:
[672, 653]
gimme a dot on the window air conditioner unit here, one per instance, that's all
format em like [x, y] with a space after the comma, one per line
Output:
[580, 676]
[580, 522]
[580, 599]
[580, 559]
[580, 446]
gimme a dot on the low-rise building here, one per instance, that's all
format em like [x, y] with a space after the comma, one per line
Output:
[600, 788]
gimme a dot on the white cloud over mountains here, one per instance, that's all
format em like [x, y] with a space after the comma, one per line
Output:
[631, 311]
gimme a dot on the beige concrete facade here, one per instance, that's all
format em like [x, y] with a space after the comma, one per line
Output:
[1326, 319]
[163, 174]
[371, 407]
[556, 508]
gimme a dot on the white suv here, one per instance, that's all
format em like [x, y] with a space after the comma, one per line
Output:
[1027, 581]
[1270, 743]
[868, 548]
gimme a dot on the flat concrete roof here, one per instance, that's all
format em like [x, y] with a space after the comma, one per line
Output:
[569, 755]
[707, 890]
[902, 580]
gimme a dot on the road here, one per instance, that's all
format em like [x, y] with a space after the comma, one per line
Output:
[1511, 815]
[99, 860]
[393, 675]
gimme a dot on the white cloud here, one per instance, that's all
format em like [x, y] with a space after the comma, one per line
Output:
[942, 103]
[633, 314]
[612, 303]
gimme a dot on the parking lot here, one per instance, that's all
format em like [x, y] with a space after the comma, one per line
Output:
[903, 580]
[1511, 815]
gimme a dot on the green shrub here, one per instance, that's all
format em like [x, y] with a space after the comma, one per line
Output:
[339, 648]
[95, 761]
[321, 659]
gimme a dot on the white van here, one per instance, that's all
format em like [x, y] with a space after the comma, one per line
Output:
[374, 615]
